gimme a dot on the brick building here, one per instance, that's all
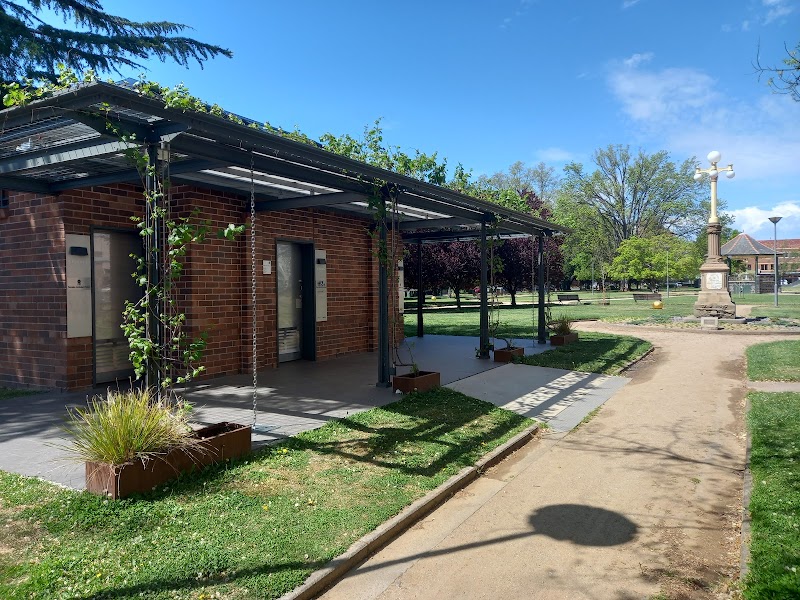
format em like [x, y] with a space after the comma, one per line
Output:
[66, 235]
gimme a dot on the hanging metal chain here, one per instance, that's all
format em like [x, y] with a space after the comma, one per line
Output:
[253, 286]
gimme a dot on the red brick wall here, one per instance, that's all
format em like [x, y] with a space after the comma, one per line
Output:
[109, 207]
[214, 291]
[33, 298]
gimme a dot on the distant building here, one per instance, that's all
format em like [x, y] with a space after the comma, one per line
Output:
[788, 258]
[758, 258]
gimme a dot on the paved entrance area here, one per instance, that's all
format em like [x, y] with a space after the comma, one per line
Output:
[300, 396]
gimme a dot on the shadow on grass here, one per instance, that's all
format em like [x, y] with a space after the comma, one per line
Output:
[432, 426]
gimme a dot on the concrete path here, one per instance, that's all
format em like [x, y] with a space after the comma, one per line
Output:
[643, 499]
[558, 397]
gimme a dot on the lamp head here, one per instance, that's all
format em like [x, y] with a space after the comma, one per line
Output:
[698, 175]
[775, 219]
[714, 156]
[730, 174]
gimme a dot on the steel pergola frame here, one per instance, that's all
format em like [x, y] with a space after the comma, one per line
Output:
[72, 140]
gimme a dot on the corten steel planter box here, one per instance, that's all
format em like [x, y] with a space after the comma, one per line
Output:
[218, 443]
[422, 381]
[507, 354]
[563, 340]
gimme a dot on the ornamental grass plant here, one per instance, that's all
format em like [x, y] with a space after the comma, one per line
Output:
[127, 425]
[561, 325]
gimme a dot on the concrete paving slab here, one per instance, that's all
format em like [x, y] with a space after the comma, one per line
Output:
[454, 356]
[558, 397]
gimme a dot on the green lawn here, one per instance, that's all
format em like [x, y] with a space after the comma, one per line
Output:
[774, 421]
[521, 321]
[774, 361]
[252, 529]
[593, 353]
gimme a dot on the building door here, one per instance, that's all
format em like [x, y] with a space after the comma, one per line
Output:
[296, 330]
[112, 266]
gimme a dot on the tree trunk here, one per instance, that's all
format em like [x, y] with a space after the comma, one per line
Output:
[458, 299]
[513, 297]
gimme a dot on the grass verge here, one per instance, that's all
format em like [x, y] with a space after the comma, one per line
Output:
[593, 353]
[774, 361]
[6, 393]
[774, 421]
[252, 529]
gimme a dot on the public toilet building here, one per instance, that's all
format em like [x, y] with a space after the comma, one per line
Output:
[69, 192]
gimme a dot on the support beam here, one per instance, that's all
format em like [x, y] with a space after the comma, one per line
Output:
[422, 224]
[542, 326]
[383, 310]
[265, 164]
[483, 351]
[153, 251]
[59, 157]
[24, 184]
[420, 292]
[443, 208]
[311, 201]
[131, 175]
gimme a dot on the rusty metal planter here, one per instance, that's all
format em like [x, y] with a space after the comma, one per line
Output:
[507, 354]
[217, 443]
[563, 340]
[420, 382]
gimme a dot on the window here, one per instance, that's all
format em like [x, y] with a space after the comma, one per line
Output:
[3, 199]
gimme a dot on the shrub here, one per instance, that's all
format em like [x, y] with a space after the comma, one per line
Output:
[125, 426]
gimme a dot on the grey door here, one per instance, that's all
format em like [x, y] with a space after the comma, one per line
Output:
[113, 284]
[290, 301]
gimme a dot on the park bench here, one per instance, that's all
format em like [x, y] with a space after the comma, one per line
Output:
[568, 298]
[646, 296]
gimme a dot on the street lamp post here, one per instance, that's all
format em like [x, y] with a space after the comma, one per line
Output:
[714, 299]
[775, 248]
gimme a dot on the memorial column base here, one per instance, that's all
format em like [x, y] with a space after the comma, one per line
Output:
[714, 299]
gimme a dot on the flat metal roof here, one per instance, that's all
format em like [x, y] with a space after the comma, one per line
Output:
[66, 142]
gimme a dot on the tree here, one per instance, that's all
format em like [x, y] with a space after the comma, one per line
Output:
[432, 269]
[636, 195]
[372, 150]
[460, 263]
[783, 80]
[516, 260]
[31, 48]
[651, 259]
[542, 180]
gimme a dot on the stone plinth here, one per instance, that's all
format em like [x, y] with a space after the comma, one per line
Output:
[714, 299]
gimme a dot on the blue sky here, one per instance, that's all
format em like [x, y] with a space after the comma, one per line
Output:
[487, 83]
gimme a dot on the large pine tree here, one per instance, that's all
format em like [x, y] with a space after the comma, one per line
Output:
[30, 47]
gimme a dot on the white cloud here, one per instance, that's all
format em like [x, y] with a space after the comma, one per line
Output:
[635, 60]
[629, 3]
[745, 25]
[753, 219]
[777, 9]
[688, 112]
[554, 155]
[659, 95]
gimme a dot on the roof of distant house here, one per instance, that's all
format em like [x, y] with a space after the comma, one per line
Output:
[790, 244]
